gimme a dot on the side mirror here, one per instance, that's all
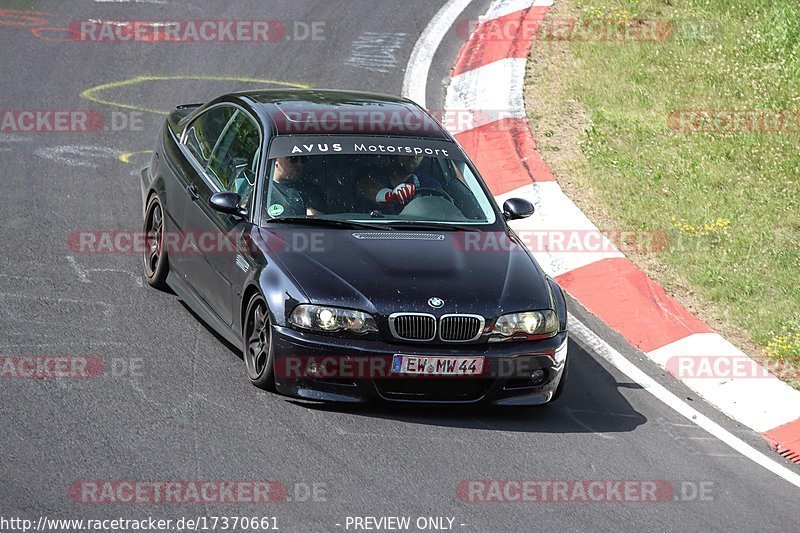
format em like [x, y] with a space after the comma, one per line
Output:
[227, 203]
[515, 208]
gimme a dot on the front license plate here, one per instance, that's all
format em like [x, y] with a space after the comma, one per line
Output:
[434, 365]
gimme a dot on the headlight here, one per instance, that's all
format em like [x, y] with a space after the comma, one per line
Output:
[534, 324]
[331, 319]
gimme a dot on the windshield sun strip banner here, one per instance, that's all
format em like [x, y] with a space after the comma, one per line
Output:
[283, 146]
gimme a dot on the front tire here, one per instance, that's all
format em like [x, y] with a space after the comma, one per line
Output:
[154, 257]
[257, 341]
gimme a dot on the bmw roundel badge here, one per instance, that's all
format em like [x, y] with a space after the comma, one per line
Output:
[435, 302]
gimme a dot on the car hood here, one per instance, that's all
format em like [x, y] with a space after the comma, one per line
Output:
[386, 272]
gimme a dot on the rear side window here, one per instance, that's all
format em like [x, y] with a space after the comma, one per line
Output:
[203, 134]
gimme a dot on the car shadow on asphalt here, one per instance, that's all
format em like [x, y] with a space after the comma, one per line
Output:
[222, 340]
[591, 403]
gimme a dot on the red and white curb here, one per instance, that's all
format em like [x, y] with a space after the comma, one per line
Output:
[489, 76]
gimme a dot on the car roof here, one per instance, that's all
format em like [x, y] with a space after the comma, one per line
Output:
[330, 112]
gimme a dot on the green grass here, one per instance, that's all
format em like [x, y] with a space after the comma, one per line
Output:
[723, 55]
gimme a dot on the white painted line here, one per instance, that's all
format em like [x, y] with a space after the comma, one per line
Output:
[760, 403]
[8, 138]
[77, 155]
[604, 350]
[128, 23]
[501, 8]
[78, 269]
[375, 51]
[83, 273]
[415, 81]
[491, 92]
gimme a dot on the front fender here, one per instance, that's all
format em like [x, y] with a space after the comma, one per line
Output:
[269, 277]
[560, 301]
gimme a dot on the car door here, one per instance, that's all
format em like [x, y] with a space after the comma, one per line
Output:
[197, 144]
[232, 167]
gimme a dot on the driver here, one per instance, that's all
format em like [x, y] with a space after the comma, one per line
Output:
[399, 185]
[289, 193]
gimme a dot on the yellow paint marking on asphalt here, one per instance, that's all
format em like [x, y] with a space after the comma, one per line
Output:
[125, 157]
[91, 93]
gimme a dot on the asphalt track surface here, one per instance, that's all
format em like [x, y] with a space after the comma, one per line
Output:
[189, 412]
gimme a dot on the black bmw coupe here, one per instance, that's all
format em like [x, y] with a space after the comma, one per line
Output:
[347, 243]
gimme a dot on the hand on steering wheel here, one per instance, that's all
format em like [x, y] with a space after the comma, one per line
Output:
[401, 194]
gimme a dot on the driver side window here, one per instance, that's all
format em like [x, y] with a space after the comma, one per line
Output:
[234, 162]
[203, 134]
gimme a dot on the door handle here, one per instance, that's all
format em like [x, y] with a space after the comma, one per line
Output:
[192, 190]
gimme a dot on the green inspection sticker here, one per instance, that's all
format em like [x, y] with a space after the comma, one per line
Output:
[275, 210]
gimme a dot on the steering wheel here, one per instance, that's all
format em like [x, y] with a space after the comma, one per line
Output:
[433, 191]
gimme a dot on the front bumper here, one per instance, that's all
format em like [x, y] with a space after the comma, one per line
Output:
[357, 370]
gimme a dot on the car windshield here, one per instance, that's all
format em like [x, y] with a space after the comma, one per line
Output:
[379, 188]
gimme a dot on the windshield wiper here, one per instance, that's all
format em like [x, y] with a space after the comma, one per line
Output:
[311, 221]
[437, 226]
